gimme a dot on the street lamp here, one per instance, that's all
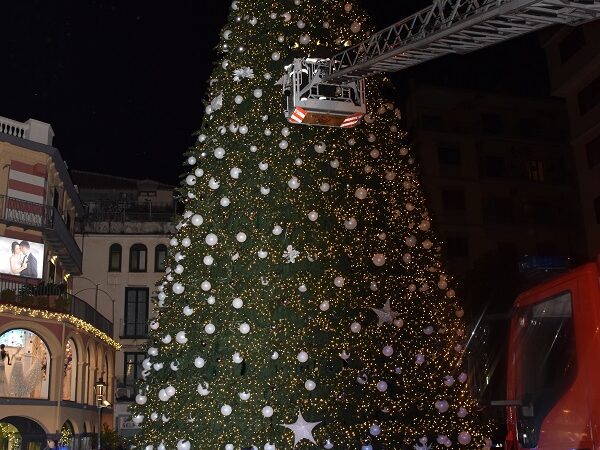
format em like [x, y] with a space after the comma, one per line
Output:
[100, 389]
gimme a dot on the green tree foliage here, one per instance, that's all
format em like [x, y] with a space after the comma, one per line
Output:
[304, 276]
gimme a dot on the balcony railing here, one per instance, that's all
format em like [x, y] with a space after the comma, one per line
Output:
[52, 298]
[47, 219]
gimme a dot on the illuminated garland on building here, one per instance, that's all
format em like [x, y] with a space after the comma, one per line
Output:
[61, 317]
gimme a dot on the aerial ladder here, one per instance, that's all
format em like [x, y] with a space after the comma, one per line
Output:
[331, 91]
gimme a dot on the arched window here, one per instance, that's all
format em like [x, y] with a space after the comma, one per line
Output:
[137, 258]
[160, 254]
[28, 374]
[114, 258]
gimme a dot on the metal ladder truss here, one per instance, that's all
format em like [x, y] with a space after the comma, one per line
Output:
[453, 26]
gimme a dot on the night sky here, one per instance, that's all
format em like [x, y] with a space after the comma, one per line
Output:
[122, 82]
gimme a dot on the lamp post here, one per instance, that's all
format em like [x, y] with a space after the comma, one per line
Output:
[100, 391]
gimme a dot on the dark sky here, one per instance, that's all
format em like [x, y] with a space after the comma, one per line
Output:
[122, 82]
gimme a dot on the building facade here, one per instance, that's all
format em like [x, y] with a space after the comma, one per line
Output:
[54, 347]
[124, 235]
[573, 56]
[498, 173]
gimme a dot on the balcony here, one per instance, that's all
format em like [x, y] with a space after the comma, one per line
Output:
[55, 299]
[47, 219]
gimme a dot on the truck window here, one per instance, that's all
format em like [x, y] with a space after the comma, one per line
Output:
[547, 361]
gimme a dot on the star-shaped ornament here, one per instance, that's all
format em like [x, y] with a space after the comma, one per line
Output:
[302, 429]
[385, 314]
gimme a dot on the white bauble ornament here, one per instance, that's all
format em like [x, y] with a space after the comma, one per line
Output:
[180, 337]
[390, 175]
[244, 328]
[300, 24]
[462, 412]
[302, 356]
[464, 438]
[179, 269]
[211, 300]
[262, 254]
[360, 193]
[374, 153]
[235, 172]
[268, 446]
[325, 187]
[211, 239]
[298, 161]
[275, 56]
[243, 129]
[283, 144]
[187, 310]
[141, 399]
[219, 152]
[268, 132]
[202, 137]
[163, 396]
[190, 180]
[348, 7]
[184, 445]
[191, 160]
[313, 215]
[374, 286]
[238, 99]
[237, 358]
[137, 419]
[459, 312]
[382, 386]
[304, 39]
[350, 223]
[274, 356]
[277, 230]
[264, 190]
[263, 166]
[420, 359]
[186, 242]
[229, 447]
[147, 364]
[338, 281]
[170, 390]
[374, 430]
[197, 220]
[178, 288]
[320, 147]
[153, 351]
[294, 183]
[199, 362]
[285, 131]
[241, 237]
[267, 411]
[257, 93]
[388, 350]
[355, 327]
[450, 293]
[310, 385]
[205, 285]
[379, 259]
[226, 410]
[345, 355]
[428, 330]
[244, 396]
[324, 306]
[442, 406]
[208, 260]
[407, 257]
[173, 242]
[213, 184]
[154, 324]
[334, 164]
[154, 416]
[237, 303]
[157, 366]
[209, 328]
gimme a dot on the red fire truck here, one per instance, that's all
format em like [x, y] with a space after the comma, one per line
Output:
[553, 375]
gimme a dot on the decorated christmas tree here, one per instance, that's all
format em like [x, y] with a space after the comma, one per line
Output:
[305, 305]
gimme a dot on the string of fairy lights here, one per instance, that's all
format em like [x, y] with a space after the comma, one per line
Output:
[61, 317]
[245, 338]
